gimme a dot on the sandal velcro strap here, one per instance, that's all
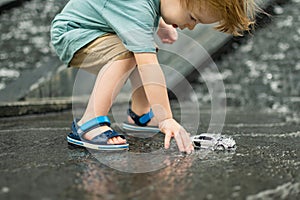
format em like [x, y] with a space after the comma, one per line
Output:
[98, 121]
[100, 141]
[111, 133]
[140, 120]
[104, 137]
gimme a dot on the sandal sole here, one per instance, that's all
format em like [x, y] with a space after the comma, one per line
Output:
[132, 127]
[114, 147]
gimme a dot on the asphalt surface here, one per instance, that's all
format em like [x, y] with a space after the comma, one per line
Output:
[37, 163]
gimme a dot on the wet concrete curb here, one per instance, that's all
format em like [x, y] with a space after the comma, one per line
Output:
[34, 107]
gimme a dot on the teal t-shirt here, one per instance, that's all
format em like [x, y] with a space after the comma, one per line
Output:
[82, 21]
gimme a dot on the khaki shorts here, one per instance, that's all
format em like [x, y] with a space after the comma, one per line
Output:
[93, 56]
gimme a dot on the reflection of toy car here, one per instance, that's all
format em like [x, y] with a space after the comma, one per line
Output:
[213, 141]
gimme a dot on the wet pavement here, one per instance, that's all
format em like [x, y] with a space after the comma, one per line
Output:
[37, 163]
[262, 90]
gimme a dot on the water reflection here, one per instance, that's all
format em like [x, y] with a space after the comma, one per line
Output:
[180, 178]
[132, 162]
[97, 180]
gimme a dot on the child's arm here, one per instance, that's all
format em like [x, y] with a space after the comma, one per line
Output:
[155, 88]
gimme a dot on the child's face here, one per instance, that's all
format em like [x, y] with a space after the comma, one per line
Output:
[174, 14]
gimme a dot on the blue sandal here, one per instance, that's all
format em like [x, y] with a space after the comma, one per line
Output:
[76, 137]
[140, 122]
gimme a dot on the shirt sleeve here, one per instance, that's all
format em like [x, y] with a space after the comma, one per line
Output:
[135, 25]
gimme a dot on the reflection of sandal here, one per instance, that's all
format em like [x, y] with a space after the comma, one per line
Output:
[140, 123]
[99, 142]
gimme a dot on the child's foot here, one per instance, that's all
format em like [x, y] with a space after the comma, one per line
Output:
[96, 134]
[141, 123]
[152, 122]
[97, 131]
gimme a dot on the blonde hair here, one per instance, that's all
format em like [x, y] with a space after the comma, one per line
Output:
[236, 16]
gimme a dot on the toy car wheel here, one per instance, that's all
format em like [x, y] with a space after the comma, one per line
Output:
[220, 148]
[197, 145]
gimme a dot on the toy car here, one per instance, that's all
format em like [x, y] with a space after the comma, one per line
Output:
[213, 141]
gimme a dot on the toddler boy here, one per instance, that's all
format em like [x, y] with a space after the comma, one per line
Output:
[114, 40]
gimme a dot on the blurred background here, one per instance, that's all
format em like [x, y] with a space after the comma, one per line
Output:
[259, 70]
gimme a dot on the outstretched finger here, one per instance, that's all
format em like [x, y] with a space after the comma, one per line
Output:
[186, 141]
[168, 136]
[179, 142]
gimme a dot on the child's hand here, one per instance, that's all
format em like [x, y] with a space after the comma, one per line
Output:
[167, 33]
[172, 129]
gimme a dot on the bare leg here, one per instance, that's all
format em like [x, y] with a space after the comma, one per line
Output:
[139, 101]
[109, 81]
